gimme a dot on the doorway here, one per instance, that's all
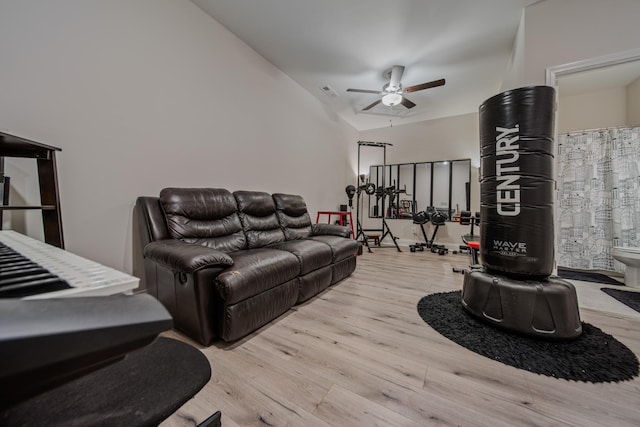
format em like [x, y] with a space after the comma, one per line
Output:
[597, 100]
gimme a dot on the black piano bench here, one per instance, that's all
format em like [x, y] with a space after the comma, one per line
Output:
[142, 389]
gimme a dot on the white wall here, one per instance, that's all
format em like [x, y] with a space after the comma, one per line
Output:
[599, 109]
[146, 94]
[450, 138]
[515, 67]
[559, 32]
[633, 103]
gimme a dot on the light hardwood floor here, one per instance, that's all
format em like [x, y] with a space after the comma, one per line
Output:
[360, 355]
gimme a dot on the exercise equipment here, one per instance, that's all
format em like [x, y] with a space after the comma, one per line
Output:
[466, 218]
[369, 188]
[470, 241]
[421, 218]
[438, 219]
[473, 248]
[394, 211]
[544, 309]
[380, 192]
[351, 191]
[513, 290]
[516, 187]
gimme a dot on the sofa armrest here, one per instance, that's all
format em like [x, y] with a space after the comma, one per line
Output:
[330, 229]
[185, 257]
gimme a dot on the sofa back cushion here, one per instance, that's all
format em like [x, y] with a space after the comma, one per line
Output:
[293, 216]
[204, 216]
[257, 213]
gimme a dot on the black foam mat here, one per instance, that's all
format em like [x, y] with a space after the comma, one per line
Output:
[592, 357]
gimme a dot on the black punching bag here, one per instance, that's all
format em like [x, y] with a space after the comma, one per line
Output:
[516, 182]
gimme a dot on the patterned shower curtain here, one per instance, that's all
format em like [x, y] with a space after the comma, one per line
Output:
[598, 196]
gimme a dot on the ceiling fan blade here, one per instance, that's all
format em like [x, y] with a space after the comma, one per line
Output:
[396, 76]
[370, 106]
[407, 103]
[423, 86]
[364, 91]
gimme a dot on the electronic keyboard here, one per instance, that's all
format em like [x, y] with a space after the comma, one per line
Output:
[47, 339]
[31, 269]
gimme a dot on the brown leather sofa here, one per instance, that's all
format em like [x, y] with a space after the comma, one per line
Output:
[224, 264]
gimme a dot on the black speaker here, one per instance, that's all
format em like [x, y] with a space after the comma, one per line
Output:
[343, 208]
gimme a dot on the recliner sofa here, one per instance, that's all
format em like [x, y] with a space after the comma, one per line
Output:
[225, 264]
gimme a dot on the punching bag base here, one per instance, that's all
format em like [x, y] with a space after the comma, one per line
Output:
[545, 309]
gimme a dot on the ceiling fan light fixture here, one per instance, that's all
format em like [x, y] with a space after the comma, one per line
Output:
[392, 99]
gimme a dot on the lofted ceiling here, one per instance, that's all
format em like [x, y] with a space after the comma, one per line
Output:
[341, 44]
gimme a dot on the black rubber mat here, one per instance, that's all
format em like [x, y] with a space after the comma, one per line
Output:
[592, 357]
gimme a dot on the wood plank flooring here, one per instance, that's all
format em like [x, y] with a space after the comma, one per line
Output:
[360, 355]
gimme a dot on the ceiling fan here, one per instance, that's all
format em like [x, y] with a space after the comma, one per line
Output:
[393, 91]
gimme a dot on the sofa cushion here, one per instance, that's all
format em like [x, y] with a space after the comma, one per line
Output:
[203, 216]
[257, 213]
[342, 269]
[293, 216]
[248, 315]
[311, 254]
[315, 282]
[341, 248]
[254, 271]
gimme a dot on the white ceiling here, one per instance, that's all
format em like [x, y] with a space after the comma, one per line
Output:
[350, 43]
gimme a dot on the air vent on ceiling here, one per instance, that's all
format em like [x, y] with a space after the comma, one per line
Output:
[328, 90]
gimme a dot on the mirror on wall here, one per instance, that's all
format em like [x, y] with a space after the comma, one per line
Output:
[460, 181]
[407, 188]
[441, 187]
[404, 194]
[422, 194]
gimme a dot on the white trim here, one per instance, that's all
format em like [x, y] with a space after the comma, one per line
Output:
[551, 79]
[552, 73]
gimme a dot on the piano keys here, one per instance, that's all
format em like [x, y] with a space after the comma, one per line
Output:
[20, 277]
[30, 269]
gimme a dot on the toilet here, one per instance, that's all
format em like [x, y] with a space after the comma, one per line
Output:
[630, 257]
